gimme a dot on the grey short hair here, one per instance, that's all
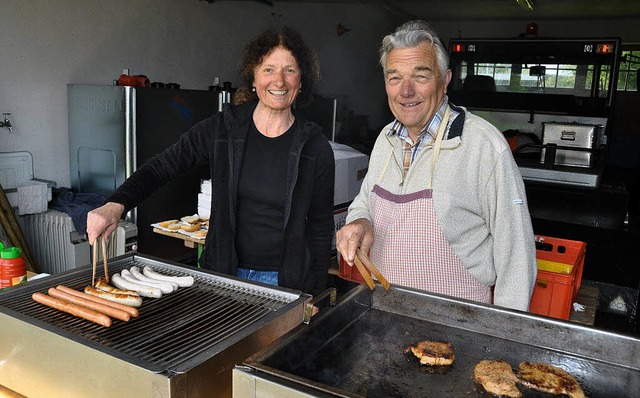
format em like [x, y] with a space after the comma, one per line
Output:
[412, 34]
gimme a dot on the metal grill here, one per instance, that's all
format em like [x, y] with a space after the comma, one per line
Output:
[173, 333]
[357, 349]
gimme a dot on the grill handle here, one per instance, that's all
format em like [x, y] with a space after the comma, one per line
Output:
[310, 308]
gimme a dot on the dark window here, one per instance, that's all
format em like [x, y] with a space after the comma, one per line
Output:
[629, 65]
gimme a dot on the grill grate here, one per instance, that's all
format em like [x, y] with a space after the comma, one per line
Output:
[171, 332]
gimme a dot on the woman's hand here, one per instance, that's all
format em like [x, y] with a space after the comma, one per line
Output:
[356, 234]
[101, 222]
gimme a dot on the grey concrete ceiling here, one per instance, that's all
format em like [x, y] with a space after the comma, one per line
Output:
[496, 9]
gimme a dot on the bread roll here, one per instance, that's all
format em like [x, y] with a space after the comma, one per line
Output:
[165, 224]
[191, 227]
[191, 219]
[174, 227]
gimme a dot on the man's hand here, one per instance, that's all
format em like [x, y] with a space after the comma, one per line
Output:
[101, 222]
[356, 234]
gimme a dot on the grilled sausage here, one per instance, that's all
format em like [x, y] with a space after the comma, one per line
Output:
[135, 271]
[101, 284]
[73, 309]
[182, 281]
[123, 301]
[145, 291]
[164, 287]
[102, 300]
[103, 308]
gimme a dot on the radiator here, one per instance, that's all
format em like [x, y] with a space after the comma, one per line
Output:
[124, 240]
[58, 247]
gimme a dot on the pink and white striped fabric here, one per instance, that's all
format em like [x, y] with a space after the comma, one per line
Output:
[411, 250]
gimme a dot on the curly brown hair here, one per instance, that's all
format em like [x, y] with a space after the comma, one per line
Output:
[261, 46]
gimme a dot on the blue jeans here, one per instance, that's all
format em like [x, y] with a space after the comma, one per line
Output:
[268, 277]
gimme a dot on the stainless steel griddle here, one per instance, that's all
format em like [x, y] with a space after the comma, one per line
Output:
[182, 344]
[356, 349]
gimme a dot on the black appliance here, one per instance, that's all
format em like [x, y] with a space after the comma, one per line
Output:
[113, 130]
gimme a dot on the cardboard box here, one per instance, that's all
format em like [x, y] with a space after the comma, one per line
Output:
[555, 292]
[351, 167]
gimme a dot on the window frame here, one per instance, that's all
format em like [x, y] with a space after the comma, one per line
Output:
[628, 68]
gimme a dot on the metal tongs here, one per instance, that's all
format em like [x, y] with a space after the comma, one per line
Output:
[363, 263]
[95, 260]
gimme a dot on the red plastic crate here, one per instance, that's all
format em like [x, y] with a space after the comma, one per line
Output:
[349, 273]
[554, 293]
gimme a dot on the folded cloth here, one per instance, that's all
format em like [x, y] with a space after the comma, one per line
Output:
[76, 205]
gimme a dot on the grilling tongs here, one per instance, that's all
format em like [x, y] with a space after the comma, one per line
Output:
[363, 263]
[95, 260]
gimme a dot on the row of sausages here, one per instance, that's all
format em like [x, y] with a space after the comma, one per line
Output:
[86, 306]
[103, 302]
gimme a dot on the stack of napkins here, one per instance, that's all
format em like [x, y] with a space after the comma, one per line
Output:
[204, 199]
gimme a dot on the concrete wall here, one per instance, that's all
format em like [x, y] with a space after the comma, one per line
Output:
[44, 45]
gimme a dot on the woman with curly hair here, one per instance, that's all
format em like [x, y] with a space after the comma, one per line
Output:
[272, 173]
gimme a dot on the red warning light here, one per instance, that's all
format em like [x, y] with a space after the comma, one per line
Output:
[605, 48]
[458, 48]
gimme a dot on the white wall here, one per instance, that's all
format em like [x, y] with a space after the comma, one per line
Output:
[44, 45]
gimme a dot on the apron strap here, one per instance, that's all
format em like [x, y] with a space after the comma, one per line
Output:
[438, 144]
[386, 164]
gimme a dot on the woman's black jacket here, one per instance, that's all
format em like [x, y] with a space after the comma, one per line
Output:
[220, 141]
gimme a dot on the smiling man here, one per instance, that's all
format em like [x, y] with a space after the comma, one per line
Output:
[443, 206]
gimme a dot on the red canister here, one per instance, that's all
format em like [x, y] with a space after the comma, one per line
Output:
[13, 270]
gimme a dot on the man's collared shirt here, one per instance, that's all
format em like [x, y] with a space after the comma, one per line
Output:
[426, 136]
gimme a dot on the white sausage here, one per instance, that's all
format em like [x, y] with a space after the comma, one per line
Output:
[142, 290]
[182, 281]
[164, 287]
[135, 271]
[101, 284]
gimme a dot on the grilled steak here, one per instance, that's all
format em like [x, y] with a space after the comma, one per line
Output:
[495, 379]
[434, 353]
[541, 379]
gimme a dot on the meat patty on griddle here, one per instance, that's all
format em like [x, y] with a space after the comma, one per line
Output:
[495, 379]
[542, 377]
[434, 353]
